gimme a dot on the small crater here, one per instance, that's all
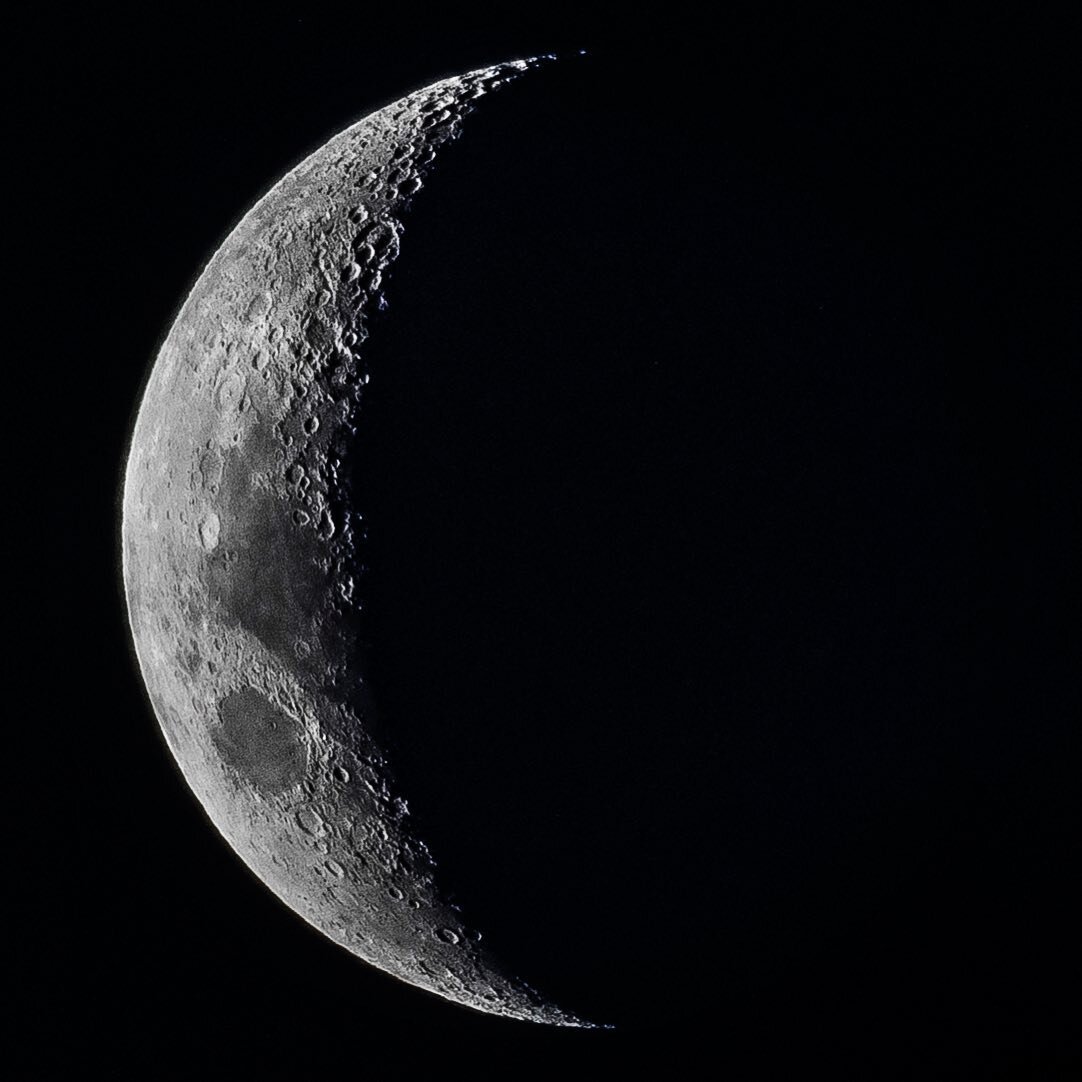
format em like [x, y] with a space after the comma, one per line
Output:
[309, 820]
[210, 468]
[209, 531]
[230, 392]
[259, 307]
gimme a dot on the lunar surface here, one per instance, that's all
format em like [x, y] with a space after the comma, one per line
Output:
[241, 554]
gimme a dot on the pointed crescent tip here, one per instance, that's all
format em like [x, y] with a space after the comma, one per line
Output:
[575, 1022]
[543, 58]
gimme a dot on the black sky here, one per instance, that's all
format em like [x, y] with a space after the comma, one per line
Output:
[716, 457]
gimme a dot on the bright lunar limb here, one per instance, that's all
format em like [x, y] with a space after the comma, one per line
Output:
[239, 547]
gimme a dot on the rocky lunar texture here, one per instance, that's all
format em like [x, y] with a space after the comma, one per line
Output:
[241, 555]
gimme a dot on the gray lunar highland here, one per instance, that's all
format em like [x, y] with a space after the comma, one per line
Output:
[240, 544]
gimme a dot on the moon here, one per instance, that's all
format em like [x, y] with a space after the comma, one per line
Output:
[241, 546]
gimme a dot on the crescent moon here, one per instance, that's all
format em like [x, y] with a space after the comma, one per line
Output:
[240, 547]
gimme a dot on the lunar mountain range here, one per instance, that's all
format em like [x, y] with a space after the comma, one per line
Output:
[240, 556]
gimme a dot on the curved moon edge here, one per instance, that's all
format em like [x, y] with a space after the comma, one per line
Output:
[240, 553]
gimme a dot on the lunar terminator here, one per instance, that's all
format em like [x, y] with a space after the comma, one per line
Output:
[240, 550]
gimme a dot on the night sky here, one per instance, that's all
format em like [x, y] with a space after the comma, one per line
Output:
[716, 461]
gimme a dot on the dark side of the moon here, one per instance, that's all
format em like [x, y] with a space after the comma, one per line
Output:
[682, 499]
